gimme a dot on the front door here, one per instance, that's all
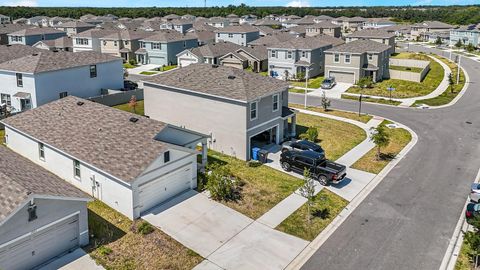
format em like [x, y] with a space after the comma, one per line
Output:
[25, 104]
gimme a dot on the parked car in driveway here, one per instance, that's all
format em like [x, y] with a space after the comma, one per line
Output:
[302, 145]
[324, 171]
[328, 83]
[475, 192]
[473, 210]
[129, 85]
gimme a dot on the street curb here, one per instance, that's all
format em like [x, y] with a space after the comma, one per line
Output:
[459, 96]
[311, 248]
[455, 244]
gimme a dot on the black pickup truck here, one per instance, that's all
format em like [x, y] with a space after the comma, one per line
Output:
[324, 171]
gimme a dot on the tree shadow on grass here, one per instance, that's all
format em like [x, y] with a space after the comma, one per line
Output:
[387, 156]
[303, 130]
[321, 213]
[101, 231]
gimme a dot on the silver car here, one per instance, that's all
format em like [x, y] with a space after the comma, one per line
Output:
[328, 83]
[475, 192]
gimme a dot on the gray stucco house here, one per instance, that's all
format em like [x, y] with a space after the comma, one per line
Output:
[288, 59]
[237, 108]
[162, 48]
[241, 34]
[41, 216]
[377, 35]
[351, 61]
[31, 36]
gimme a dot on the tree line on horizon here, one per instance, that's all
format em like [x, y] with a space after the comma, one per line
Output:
[456, 15]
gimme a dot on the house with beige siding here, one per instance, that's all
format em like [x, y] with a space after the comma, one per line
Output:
[123, 43]
[377, 35]
[326, 28]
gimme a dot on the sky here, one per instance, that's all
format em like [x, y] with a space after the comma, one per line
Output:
[196, 3]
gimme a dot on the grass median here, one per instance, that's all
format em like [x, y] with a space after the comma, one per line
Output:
[364, 118]
[312, 83]
[373, 100]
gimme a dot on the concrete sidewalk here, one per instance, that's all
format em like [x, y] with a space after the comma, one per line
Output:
[76, 260]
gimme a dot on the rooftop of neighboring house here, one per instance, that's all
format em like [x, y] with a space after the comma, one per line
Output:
[237, 29]
[355, 19]
[217, 20]
[232, 16]
[168, 36]
[307, 20]
[171, 17]
[220, 81]
[323, 18]
[379, 20]
[215, 49]
[329, 39]
[322, 24]
[11, 28]
[371, 33]
[36, 31]
[259, 52]
[299, 29]
[22, 180]
[272, 39]
[95, 33]
[127, 35]
[266, 30]
[21, 58]
[181, 22]
[360, 46]
[200, 25]
[119, 143]
[471, 27]
[301, 43]
[433, 25]
[267, 22]
[62, 42]
[75, 24]
[3, 16]
[203, 36]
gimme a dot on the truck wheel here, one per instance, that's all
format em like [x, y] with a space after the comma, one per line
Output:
[286, 166]
[322, 179]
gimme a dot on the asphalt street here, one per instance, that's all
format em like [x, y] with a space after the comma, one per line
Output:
[407, 221]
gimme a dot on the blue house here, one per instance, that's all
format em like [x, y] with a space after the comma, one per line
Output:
[31, 36]
[162, 48]
[467, 34]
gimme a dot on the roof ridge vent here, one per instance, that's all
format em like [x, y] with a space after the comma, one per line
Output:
[133, 119]
[80, 103]
[231, 77]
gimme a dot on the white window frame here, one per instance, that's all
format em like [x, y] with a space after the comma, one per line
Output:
[155, 47]
[349, 58]
[289, 55]
[274, 54]
[77, 168]
[335, 59]
[253, 109]
[275, 102]
[230, 35]
[370, 57]
[41, 151]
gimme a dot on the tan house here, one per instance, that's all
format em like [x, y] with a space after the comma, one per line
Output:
[377, 35]
[428, 26]
[357, 59]
[254, 58]
[123, 43]
[325, 27]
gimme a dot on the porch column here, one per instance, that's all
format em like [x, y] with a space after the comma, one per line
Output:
[293, 132]
[204, 156]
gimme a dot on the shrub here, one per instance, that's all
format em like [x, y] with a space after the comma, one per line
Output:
[253, 163]
[132, 62]
[221, 184]
[104, 251]
[145, 228]
[312, 134]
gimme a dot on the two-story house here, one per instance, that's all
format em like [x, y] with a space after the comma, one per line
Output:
[60, 44]
[428, 26]
[377, 35]
[4, 19]
[375, 23]
[6, 29]
[218, 22]
[123, 43]
[90, 40]
[352, 24]
[74, 27]
[357, 59]
[31, 77]
[297, 57]
[238, 109]
[208, 53]
[241, 35]
[31, 36]
[162, 48]
[325, 27]
[180, 25]
[467, 34]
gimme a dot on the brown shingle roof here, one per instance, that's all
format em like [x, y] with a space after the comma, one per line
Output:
[302, 43]
[168, 36]
[221, 81]
[237, 29]
[360, 46]
[36, 31]
[215, 49]
[94, 134]
[21, 178]
[371, 33]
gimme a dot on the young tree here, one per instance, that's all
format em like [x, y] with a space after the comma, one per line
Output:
[312, 134]
[451, 82]
[459, 44]
[438, 41]
[380, 137]
[133, 103]
[308, 192]
[470, 47]
[221, 184]
[365, 82]
[325, 102]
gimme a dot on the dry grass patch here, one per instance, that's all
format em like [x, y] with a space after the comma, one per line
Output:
[399, 138]
[117, 244]
[2, 136]
[364, 118]
[140, 109]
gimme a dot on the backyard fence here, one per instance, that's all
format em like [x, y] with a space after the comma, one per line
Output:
[115, 97]
[409, 75]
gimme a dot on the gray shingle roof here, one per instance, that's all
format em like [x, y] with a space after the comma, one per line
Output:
[95, 33]
[222, 81]
[302, 43]
[237, 29]
[272, 39]
[371, 33]
[360, 46]
[75, 24]
[21, 178]
[10, 28]
[259, 52]
[94, 134]
[168, 36]
[433, 24]
[36, 31]
[215, 49]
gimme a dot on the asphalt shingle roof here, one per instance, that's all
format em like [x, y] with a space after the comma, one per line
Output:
[302, 43]
[371, 33]
[360, 46]
[237, 29]
[168, 36]
[222, 81]
[36, 31]
[215, 49]
[95, 134]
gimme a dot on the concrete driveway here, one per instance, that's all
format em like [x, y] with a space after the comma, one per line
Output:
[335, 92]
[197, 222]
[76, 260]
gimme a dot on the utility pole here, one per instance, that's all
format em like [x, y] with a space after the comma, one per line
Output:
[458, 67]
[306, 86]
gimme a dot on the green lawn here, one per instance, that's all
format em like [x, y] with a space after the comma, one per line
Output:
[298, 90]
[148, 72]
[116, 244]
[373, 100]
[2, 136]
[407, 89]
[463, 260]
[166, 68]
[335, 137]
[312, 83]
[327, 206]
[364, 118]
[447, 96]
[408, 69]
[140, 110]
[128, 65]
[263, 188]
[399, 138]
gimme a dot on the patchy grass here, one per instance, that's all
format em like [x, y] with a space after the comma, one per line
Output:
[263, 187]
[327, 206]
[335, 137]
[447, 96]
[399, 138]
[148, 73]
[140, 109]
[2, 136]
[407, 89]
[373, 100]
[263, 73]
[463, 260]
[364, 118]
[116, 245]
[128, 65]
[298, 90]
[312, 83]
[408, 69]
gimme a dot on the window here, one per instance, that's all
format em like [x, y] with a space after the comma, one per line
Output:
[230, 35]
[104, 43]
[41, 151]
[115, 43]
[5, 99]
[336, 58]
[253, 110]
[19, 79]
[63, 94]
[218, 35]
[184, 44]
[275, 102]
[76, 169]
[126, 42]
[43, 37]
[166, 157]
[370, 57]
[32, 212]
[243, 35]
[274, 54]
[93, 71]
[289, 54]
[142, 44]
[347, 58]
[81, 41]
[156, 46]
[304, 54]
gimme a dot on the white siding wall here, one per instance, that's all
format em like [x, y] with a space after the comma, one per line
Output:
[8, 85]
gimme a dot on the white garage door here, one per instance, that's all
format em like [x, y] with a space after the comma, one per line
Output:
[41, 246]
[165, 187]
[183, 62]
[344, 77]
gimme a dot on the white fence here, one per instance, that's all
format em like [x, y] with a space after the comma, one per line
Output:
[409, 75]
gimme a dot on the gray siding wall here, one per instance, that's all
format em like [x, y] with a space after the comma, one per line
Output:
[237, 38]
[30, 40]
[167, 54]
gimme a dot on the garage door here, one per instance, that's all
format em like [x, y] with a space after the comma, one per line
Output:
[344, 77]
[186, 61]
[233, 64]
[41, 246]
[164, 188]
[157, 60]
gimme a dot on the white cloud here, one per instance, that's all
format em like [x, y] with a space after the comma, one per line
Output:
[299, 3]
[23, 3]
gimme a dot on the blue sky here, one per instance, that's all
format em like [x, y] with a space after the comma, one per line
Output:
[193, 3]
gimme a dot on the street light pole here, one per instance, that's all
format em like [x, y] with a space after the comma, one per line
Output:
[360, 101]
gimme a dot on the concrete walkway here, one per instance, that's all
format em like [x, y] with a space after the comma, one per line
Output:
[76, 260]
[142, 68]
[336, 92]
